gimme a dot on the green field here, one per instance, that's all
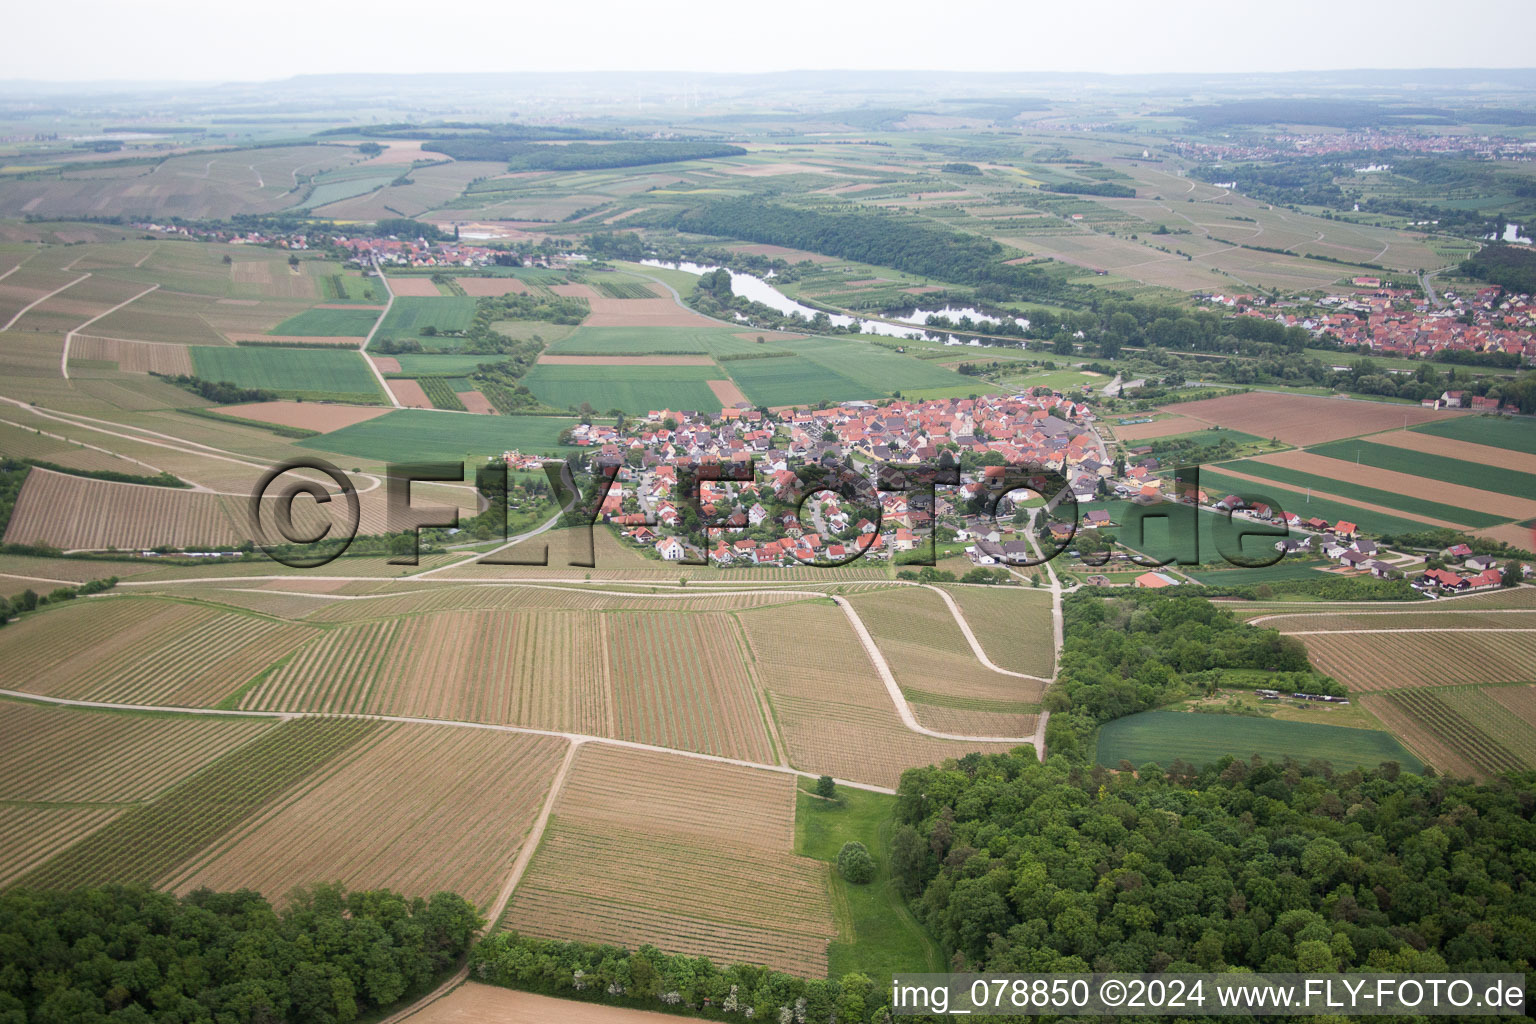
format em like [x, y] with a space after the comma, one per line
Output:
[795, 380]
[1432, 467]
[877, 933]
[408, 435]
[439, 365]
[1509, 434]
[634, 389]
[1163, 736]
[410, 314]
[877, 369]
[1370, 495]
[643, 341]
[328, 323]
[326, 371]
[1290, 501]
[1157, 537]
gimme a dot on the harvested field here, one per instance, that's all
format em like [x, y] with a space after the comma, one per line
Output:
[1368, 662]
[631, 856]
[150, 651]
[473, 1003]
[550, 360]
[414, 287]
[386, 364]
[425, 809]
[319, 416]
[474, 401]
[492, 286]
[729, 394]
[1403, 483]
[409, 394]
[1303, 419]
[1167, 427]
[1466, 451]
[29, 836]
[1013, 625]
[59, 754]
[1511, 533]
[608, 312]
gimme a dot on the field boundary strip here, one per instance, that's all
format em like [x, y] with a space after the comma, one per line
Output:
[448, 723]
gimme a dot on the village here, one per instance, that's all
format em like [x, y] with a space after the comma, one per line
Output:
[783, 514]
[1377, 319]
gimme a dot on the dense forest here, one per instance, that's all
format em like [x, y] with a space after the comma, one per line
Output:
[1018, 866]
[1092, 188]
[1140, 648]
[905, 243]
[1511, 267]
[128, 954]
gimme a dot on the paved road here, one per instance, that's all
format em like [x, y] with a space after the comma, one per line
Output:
[374, 330]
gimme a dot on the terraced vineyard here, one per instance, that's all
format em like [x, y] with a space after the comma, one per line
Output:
[1013, 625]
[150, 651]
[1367, 662]
[860, 743]
[926, 650]
[601, 877]
[425, 809]
[71, 512]
[1444, 735]
[30, 834]
[334, 671]
[145, 843]
[80, 756]
[678, 681]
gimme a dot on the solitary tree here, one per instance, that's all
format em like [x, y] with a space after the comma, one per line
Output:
[825, 787]
[855, 864]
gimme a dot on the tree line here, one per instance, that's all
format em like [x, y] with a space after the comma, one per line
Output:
[128, 954]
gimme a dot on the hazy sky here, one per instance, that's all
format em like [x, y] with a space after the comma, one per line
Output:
[208, 40]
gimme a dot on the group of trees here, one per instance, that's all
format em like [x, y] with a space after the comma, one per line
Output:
[1022, 867]
[655, 980]
[221, 392]
[1129, 652]
[29, 600]
[128, 954]
[1511, 267]
[906, 243]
